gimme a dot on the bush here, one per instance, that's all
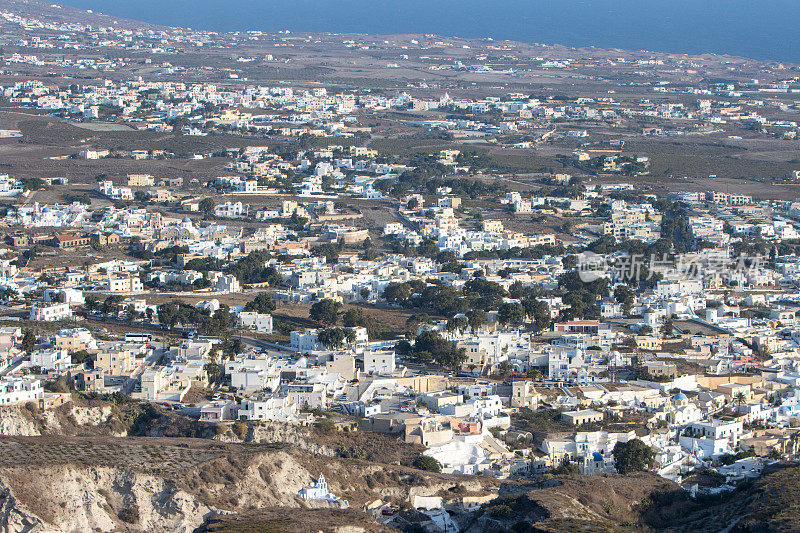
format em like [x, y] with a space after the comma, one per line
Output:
[458, 488]
[138, 420]
[325, 426]
[500, 511]
[58, 385]
[240, 429]
[566, 468]
[353, 452]
[129, 515]
[423, 462]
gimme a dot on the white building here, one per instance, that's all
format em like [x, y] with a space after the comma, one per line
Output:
[460, 457]
[379, 362]
[252, 373]
[313, 395]
[125, 284]
[268, 409]
[566, 364]
[70, 296]
[106, 188]
[304, 340]
[13, 390]
[50, 359]
[592, 450]
[50, 312]
[319, 491]
[231, 210]
[711, 439]
[487, 406]
[261, 322]
[226, 283]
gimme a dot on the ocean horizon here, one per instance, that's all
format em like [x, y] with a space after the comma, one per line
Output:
[764, 30]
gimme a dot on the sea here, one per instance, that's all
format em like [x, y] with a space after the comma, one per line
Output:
[759, 29]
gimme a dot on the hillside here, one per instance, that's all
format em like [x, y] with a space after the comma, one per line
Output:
[769, 504]
[645, 502]
[60, 14]
[157, 484]
[68, 469]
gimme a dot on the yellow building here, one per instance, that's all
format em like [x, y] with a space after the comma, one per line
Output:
[140, 180]
[115, 362]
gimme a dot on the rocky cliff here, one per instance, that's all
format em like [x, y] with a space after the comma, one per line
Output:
[157, 484]
[28, 420]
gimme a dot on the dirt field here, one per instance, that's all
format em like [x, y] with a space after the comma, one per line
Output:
[169, 455]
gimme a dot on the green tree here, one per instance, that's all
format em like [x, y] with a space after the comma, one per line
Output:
[504, 369]
[328, 251]
[511, 313]
[539, 311]
[298, 222]
[487, 294]
[430, 346]
[325, 311]
[332, 338]
[111, 305]
[262, 303]
[566, 468]
[201, 283]
[624, 295]
[423, 462]
[477, 318]
[168, 314]
[213, 370]
[133, 314]
[460, 323]
[356, 317]
[252, 269]
[28, 341]
[740, 399]
[633, 456]
[207, 206]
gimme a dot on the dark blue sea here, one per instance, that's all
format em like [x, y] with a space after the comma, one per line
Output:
[760, 29]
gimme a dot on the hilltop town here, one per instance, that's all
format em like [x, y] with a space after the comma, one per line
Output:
[396, 282]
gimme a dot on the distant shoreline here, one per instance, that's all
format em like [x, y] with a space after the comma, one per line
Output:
[680, 26]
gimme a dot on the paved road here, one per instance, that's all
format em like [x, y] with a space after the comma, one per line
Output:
[271, 348]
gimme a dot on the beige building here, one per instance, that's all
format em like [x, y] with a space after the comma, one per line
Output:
[115, 362]
[632, 224]
[578, 418]
[493, 225]
[74, 340]
[140, 180]
[125, 284]
[647, 342]
[476, 355]
[661, 369]
[436, 400]
[164, 384]
[343, 364]
[523, 394]
[429, 432]
[732, 391]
